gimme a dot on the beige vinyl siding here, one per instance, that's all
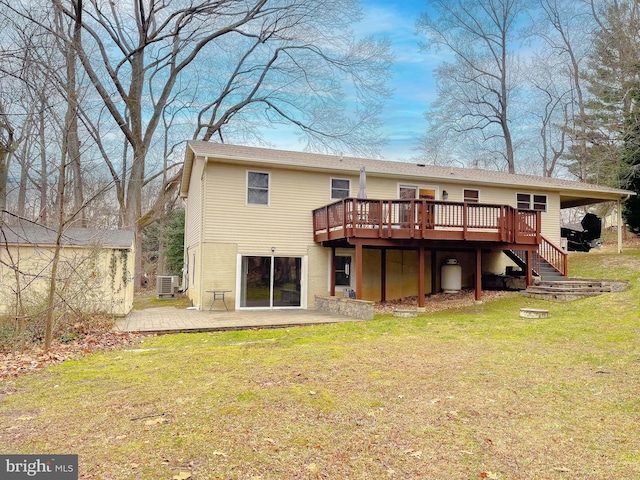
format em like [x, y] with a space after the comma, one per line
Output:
[232, 227]
[193, 205]
[286, 223]
[550, 219]
[287, 220]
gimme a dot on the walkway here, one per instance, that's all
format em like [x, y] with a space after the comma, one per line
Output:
[174, 320]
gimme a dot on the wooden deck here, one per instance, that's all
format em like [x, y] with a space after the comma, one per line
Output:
[431, 225]
[355, 218]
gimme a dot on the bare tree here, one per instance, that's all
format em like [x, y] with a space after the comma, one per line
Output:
[31, 78]
[7, 146]
[554, 122]
[475, 86]
[258, 62]
[566, 31]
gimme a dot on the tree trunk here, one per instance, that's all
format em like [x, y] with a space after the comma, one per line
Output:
[4, 172]
[43, 216]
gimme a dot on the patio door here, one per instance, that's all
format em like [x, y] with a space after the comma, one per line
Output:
[268, 282]
[421, 192]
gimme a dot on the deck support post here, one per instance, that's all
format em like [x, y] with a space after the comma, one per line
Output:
[478, 280]
[421, 277]
[359, 270]
[383, 275]
[332, 288]
[528, 255]
[434, 271]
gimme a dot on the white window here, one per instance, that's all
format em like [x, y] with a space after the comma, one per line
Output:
[527, 201]
[340, 188]
[471, 196]
[540, 202]
[257, 188]
[422, 192]
[407, 191]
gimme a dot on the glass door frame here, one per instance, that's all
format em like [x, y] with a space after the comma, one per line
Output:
[304, 261]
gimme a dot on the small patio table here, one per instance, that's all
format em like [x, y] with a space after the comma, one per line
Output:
[218, 295]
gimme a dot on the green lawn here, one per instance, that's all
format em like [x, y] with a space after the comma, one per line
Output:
[468, 394]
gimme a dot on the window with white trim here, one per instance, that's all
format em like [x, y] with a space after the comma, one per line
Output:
[527, 201]
[257, 188]
[471, 196]
[340, 188]
[407, 191]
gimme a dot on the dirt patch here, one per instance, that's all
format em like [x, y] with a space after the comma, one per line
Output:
[438, 301]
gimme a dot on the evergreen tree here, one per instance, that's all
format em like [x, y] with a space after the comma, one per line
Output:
[613, 130]
[630, 168]
[174, 241]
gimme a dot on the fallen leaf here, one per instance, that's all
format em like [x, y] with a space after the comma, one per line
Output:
[182, 476]
[562, 469]
[314, 471]
[413, 453]
[219, 454]
[489, 475]
[156, 421]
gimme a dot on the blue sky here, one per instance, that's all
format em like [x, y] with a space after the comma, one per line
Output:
[412, 82]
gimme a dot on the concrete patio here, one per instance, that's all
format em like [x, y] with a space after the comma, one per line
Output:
[174, 320]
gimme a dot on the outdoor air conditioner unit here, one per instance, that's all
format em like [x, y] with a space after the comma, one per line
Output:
[166, 285]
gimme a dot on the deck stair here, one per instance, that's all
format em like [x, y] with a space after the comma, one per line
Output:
[567, 289]
[542, 269]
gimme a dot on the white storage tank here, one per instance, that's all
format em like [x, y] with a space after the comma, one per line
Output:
[451, 276]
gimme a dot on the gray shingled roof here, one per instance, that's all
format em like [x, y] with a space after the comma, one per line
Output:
[473, 176]
[33, 234]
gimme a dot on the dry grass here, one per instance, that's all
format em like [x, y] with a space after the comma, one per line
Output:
[149, 299]
[477, 392]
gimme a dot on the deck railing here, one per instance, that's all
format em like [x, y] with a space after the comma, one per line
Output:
[553, 255]
[427, 219]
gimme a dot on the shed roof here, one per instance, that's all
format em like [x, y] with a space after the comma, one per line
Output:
[572, 193]
[26, 233]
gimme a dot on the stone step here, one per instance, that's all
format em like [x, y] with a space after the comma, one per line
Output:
[570, 288]
[567, 296]
[405, 313]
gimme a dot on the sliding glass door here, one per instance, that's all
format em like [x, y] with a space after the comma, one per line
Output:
[268, 282]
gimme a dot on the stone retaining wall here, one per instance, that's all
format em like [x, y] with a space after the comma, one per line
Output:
[349, 307]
